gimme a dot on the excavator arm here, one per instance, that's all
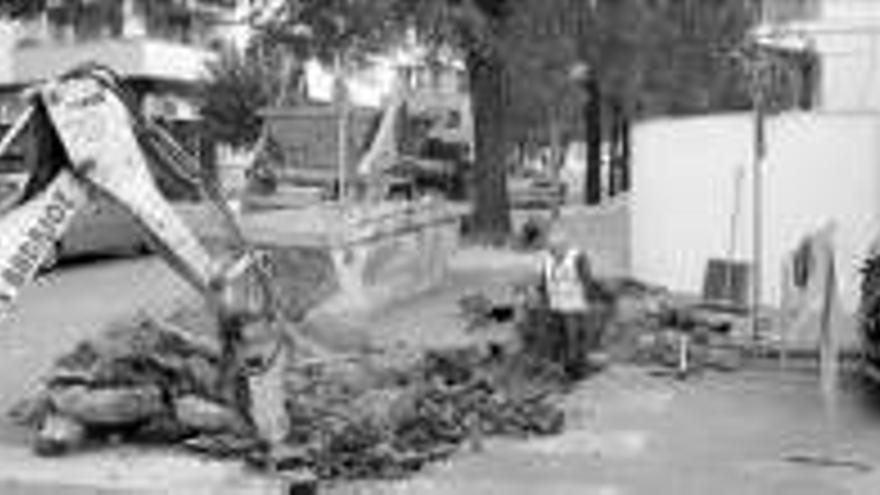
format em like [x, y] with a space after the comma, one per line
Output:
[96, 130]
[102, 156]
[102, 149]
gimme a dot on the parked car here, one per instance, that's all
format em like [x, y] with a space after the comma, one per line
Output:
[11, 186]
[101, 227]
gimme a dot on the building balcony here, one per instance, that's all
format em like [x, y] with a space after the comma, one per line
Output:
[851, 9]
[778, 12]
[142, 58]
[785, 11]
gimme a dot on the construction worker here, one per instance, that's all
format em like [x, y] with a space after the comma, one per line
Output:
[566, 283]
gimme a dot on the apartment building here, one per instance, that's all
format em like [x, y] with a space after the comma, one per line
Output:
[160, 48]
[845, 37]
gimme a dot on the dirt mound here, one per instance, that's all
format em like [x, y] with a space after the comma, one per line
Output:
[350, 417]
[397, 424]
[134, 381]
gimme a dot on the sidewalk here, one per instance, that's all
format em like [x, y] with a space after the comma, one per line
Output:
[628, 434]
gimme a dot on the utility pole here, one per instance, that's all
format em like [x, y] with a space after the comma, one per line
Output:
[341, 97]
[758, 73]
[759, 152]
[340, 59]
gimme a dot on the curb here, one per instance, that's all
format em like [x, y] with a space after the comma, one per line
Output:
[128, 471]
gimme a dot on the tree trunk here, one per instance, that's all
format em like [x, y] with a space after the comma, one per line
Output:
[614, 174]
[491, 216]
[593, 120]
[557, 152]
[557, 161]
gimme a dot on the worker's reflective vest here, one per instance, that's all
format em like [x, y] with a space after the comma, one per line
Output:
[565, 289]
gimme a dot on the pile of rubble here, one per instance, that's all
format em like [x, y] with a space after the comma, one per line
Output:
[448, 399]
[654, 328]
[144, 382]
[640, 324]
[151, 382]
[869, 306]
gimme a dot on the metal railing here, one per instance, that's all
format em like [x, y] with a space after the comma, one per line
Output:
[783, 11]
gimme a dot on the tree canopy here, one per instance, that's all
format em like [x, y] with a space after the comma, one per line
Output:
[239, 86]
[650, 57]
[544, 100]
[351, 29]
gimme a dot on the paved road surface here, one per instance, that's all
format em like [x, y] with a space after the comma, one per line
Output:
[629, 433]
[632, 434]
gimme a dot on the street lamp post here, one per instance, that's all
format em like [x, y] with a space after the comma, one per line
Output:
[342, 130]
[342, 106]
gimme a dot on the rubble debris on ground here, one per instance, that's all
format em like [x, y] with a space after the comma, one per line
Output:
[533, 233]
[656, 328]
[542, 334]
[869, 307]
[357, 430]
[350, 418]
[354, 416]
[145, 381]
[480, 312]
[642, 324]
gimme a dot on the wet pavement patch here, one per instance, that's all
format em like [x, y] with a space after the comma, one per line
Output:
[612, 444]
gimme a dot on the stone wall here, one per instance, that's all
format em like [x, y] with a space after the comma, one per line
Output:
[393, 251]
[377, 253]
